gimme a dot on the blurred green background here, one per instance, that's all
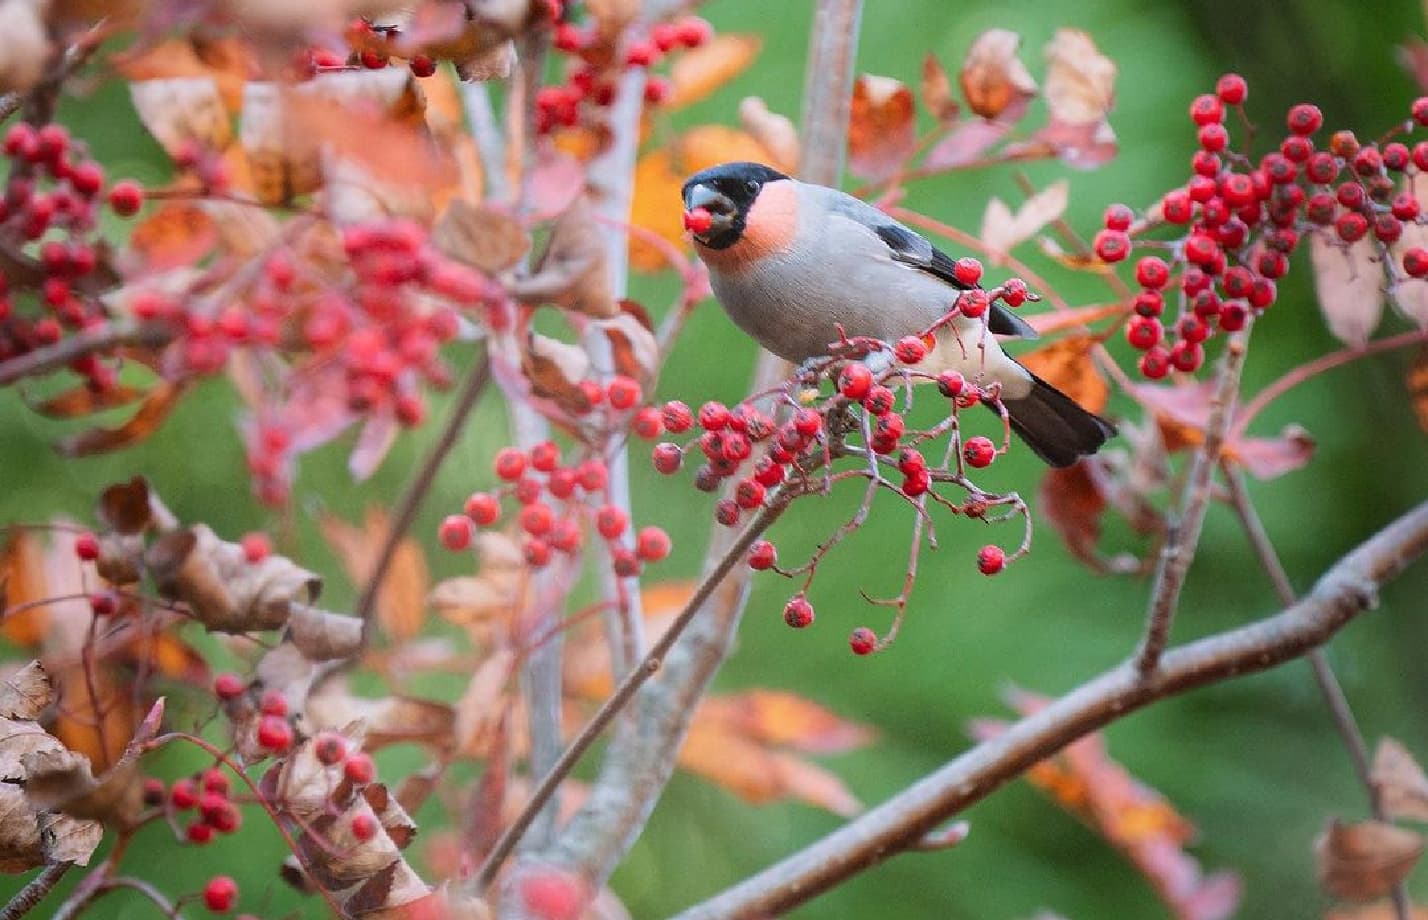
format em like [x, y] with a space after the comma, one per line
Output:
[1255, 763]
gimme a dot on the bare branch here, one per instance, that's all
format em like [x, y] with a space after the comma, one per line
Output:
[27, 898]
[101, 338]
[1345, 591]
[1179, 549]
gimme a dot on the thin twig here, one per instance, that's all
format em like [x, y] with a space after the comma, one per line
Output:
[1346, 590]
[101, 338]
[27, 898]
[636, 678]
[417, 489]
[1179, 548]
[1338, 703]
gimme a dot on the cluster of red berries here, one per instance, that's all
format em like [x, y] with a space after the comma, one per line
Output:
[557, 501]
[371, 46]
[205, 793]
[50, 208]
[590, 79]
[1244, 221]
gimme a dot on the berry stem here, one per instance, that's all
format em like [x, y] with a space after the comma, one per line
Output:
[1178, 551]
[1328, 682]
[647, 668]
[418, 488]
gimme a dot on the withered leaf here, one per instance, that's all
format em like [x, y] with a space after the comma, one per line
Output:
[401, 600]
[383, 721]
[1366, 859]
[485, 237]
[556, 181]
[554, 369]
[21, 738]
[760, 775]
[697, 73]
[374, 440]
[1268, 458]
[226, 592]
[20, 848]
[1067, 364]
[322, 635]
[176, 234]
[1080, 80]
[26, 693]
[572, 272]
[182, 111]
[483, 824]
[1348, 279]
[152, 413]
[228, 61]
[469, 598]
[84, 400]
[1417, 382]
[1072, 500]
[129, 507]
[993, 78]
[1399, 781]
[882, 127]
[1002, 230]
[632, 342]
[481, 711]
[937, 90]
[773, 131]
[787, 719]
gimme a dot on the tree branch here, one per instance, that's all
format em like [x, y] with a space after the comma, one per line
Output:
[1334, 697]
[27, 898]
[1179, 549]
[101, 338]
[1345, 591]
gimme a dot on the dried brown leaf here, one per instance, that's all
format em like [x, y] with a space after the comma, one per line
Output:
[176, 234]
[758, 775]
[20, 847]
[152, 412]
[554, 368]
[22, 583]
[1002, 230]
[1400, 782]
[21, 738]
[381, 721]
[937, 90]
[993, 78]
[557, 180]
[27, 45]
[572, 271]
[482, 236]
[228, 61]
[882, 127]
[183, 111]
[1067, 365]
[786, 719]
[632, 342]
[132, 508]
[401, 600]
[774, 132]
[481, 711]
[467, 598]
[26, 693]
[322, 635]
[1366, 859]
[697, 73]
[1349, 281]
[84, 400]
[1073, 500]
[1080, 80]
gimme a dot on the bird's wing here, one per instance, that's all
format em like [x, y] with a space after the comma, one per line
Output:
[913, 249]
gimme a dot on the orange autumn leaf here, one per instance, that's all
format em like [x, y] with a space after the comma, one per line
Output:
[22, 582]
[401, 600]
[1418, 387]
[882, 127]
[697, 73]
[152, 412]
[228, 61]
[1067, 365]
[779, 718]
[759, 774]
[178, 233]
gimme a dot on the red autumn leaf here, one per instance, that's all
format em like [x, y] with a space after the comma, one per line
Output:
[882, 129]
[994, 80]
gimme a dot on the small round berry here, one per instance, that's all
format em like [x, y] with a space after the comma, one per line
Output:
[229, 686]
[1118, 217]
[358, 768]
[676, 417]
[422, 66]
[1152, 272]
[183, 795]
[1343, 144]
[215, 781]
[1014, 292]
[1233, 316]
[126, 198]
[1405, 207]
[910, 349]
[991, 559]
[967, 270]
[364, 827]
[749, 494]
[624, 393]
[641, 54]
[1148, 303]
[611, 521]
[768, 473]
[274, 733]
[646, 423]
[1112, 245]
[1304, 119]
[483, 508]
[273, 703]
[1143, 332]
[1207, 110]
[698, 220]
[855, 380]
[798, 612]
[762, 555]
[951, 384]
[1176, 207]
[979, 451]
[537, 519]
[862, 641]
[256, 547]
[86, 546]
[1155, 363]
[916, 483]
[652, 544]
[220, 894]
[1192, 328]
[1214, 138]
[667, 457]
[973, 303]
[1232, 89]
[808, 422]
[456, 532]
[657, 90]
[330, 748]
[1321, 168]
[1420, 110]
[545, 456]
[911, 461]
[879, 400]
[592, 475]
[694, 31]
[199, 833]
[727, 512]
[510, 463]
[154, 791]
[1187, 356]
[625, 563]
[1351, 227]
[1415, 262]
[713, 416]
[103, 603]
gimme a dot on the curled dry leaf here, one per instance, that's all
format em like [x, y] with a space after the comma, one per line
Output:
[481, 712]
[554, 369]
[697, 73]
[1399, 781]
[485, 237]
[773, 131]
[993, 78]
[1365, 860]
[132, 508]
[1002, 230]
[228, 61]
[183, 111]
[882, 127]
[758, 774]
[322, 635]
[782, 718]
[156, 407]
[1073, 500]
[1349, 281]
[572, 271]
[1067, 365]
[224, 591]
[30, 838]
[83, 400]
[374, 440]
[937, 90]
[1182, 411]
[632, 342]
[382, 721]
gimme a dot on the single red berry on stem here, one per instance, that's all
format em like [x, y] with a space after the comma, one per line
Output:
[220, 894]
[510, 463]
[483, 508]
[855, 380]
[1152, 272]
[1111, 245]
[698, 220]
[1118, 217]
[183, 795]
[667, 457]
[364, 827]
[798, 612]
[624, 393]
[1155, 363]
[862, 641]
[456, 532]
[1207, 110]
[358, 768]
[256, 547]
[86, 546]
[274, 733]
[991, 559]
[910, 349]
[422, 66]
[967, 270]
[677, 417]
[979, 451]
[1304, 119]
[1420, 110]
[229, 686]
[1415, 262]
[762, 555]
[330, 748]
[611, 521]
[647, 423]
[1232, 89]
[652, 544]
[126, 198]
[713, 416]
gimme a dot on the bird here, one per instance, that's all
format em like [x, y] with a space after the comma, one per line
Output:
[791, 262]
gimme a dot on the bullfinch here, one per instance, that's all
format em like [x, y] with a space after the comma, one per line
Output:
[791, 261]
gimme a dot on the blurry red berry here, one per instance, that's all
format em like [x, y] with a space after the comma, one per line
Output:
[183, 795]
[1206, 110]
[950, 383]
[329, 748]
[1214, 137]
[537, 519]
[762, 555]
[879, 400]
[677, 417]
[456, 532]
[611, 521]
[1118, 217]
[364, 827]
[1155, 363]
[652, 544]
[199, 833]
[991, 559]
[358, 768]
[126, 198]
[910, 349]
[228, 686]
[713, 416]
[1232, 89]
[862, 641]
[545, 456]
[483, 508]
[86, 546]
[1304, 119]
[510, 464]
[256, 547]
[646, 423]
[624, 393]
[1112, 246]
[1152, 272]
[220, 894]
[274, 733]
[1415, 262]
[667, 457]
[422, 66]
[749, 494]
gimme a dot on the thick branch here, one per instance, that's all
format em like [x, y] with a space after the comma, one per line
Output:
[1179, 550]
[27, 898]
[101, 338]
[1345, 591]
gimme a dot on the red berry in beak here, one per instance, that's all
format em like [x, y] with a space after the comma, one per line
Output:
[698, 220]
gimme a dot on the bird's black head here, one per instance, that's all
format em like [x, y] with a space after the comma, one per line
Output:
[726, 192]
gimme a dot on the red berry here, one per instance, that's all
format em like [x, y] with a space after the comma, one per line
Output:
[991, 559]
[1233, 316]
[1214, 137]
[625, 563]
[1420, 110]
[749, 494]
[665, 36]
[979, 451]
[967, 270]
[537, 519]
[768, 473]
[1112, 245]
[256, 547]
[1321, 168]
[1206, 110]
[483, 508]
[330, 748]
[364, 827]
[456, 532]
[199, 833]
[973, 303]
[698, 220]
[103, 603]
[273, 703]
[1143, 332]
[220, 893]
[911, 461]
[228, 686]
[1405, 207]
[950, 384]
[358, 768]
[549, 894]
[624, 393]
[651, 544]
[667, 457]
[126, 198]
[1192, 328]
[798, 612]
[879, 400]
[1118, 217]
[1014, 292]
[1148, 303]
[647, 424]
[1297, 149]
[1368, 161]
[657, 90]
[1155, 363]
[1304, 119]
[422, 66]
[1187, 356]
[214, 780]
[762, 555]
[676, 417]
[86, 546]
[1351, 227]
[713, 416]
[854, 381]
[1176, 207]
[154, 791]
[592, 475]
[916, 483]
[1152, 272]
[1415, 262]
[611, 521]
[807, 422]
[726, 512]
[183, 795]
[641, 54]
[510, 464]
[1232, 89]
[910, 349]
[568, 37]
[862, 641]
[545, 456]
[274, 733]
[694, 31]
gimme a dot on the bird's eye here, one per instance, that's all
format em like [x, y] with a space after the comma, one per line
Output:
[752, 185]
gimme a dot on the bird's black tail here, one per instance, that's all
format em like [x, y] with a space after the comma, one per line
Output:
[1054, 426]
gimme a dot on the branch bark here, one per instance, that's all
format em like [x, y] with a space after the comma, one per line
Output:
[101, 338]
[1346, 590]
[29, 897]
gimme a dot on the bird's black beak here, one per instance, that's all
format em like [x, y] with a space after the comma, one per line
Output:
[708, 212]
